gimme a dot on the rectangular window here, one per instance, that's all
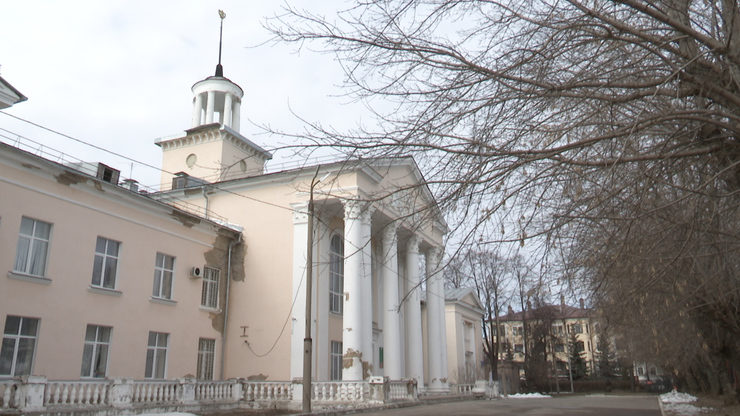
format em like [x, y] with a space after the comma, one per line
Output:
[19, 343]
[206, 354]
[576, 328]
[106, 263]
[33, 247]
[95, 352]
[164, 269]
[209, 296]
[336, 275]
[336, 360]
[156, 355]
[519, 348]
[559, 347]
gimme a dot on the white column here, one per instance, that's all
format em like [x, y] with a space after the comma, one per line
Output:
[367, 290]
[227, 109]
[391, 315]
[210, 106]
[197, 109]
[356, 273]
[437, 343]
[414, 356]
[235, 116]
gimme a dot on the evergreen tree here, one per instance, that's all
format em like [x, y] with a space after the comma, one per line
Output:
[577, 363]
[606, 356]
[509, 352]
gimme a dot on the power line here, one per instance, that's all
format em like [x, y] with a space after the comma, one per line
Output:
[210, 185]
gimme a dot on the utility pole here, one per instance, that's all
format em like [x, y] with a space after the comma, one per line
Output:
[307, 341]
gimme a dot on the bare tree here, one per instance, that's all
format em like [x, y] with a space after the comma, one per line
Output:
[606, 130]
[489, 274]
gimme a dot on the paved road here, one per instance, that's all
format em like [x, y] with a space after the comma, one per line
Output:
[597, 405]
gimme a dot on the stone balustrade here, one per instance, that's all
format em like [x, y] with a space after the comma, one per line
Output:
[121, 395]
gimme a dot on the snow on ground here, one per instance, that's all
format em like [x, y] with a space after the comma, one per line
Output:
[683, 409]
[528, 396]
[168, 414]
[678, 404]
[677, 397]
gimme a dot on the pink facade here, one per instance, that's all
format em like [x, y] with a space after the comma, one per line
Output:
[97, 279]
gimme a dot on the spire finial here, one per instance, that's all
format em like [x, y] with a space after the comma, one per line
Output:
[219, 68]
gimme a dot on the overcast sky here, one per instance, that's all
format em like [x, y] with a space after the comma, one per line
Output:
[118, 73]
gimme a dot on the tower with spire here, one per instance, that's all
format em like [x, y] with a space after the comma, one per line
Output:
[212, 150]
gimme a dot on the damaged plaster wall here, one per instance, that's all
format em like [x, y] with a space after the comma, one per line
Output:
[218, 257]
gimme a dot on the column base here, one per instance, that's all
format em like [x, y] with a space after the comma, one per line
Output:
[438, 386]
[354, 371]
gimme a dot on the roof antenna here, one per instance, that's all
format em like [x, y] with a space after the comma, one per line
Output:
[219, 68]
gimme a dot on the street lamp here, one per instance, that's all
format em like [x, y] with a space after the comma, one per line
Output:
[307, 341]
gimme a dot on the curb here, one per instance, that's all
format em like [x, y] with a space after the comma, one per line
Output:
[660, 405]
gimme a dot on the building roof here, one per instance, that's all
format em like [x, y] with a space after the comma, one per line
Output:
[547, 312]
[9, 95]
[81, 170]
[457, 294]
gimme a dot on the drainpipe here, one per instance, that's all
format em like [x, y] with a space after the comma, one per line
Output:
[205, 196]
[226, 301]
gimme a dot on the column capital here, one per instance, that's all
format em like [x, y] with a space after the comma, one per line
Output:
[357, 209]
[412, 245]
[390, 231]
[434, 254]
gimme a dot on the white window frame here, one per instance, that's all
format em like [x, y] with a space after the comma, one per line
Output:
[97, 345]
[37, 247]
[105, 258]
[335, 361]
[16, 339]
[206, 358]
[336, 275]
[154, 348]
[209, 294]
[160, 274]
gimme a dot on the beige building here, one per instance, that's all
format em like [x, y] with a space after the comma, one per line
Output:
[105, 281]
[463, 317]
[564, 321]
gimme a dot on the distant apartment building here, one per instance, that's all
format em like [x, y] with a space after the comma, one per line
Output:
[562, 323]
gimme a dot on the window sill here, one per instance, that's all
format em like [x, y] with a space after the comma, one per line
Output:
[29, 278]
[163, 301]
[104, 291]
[209, 309]
[339, 314]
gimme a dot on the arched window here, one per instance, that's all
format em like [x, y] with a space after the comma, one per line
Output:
[336, 274]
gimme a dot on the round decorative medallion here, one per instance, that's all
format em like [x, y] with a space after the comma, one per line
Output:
[191, 159]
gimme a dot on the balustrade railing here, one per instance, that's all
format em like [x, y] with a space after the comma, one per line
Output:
[159, 392]
[402, 390]
[214, 391]
[462, 389]
[37, 394]
[339, 391]
[77, 393]
[267, 391]
[10, 394]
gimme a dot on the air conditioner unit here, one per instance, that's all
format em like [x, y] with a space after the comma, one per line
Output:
[196, 272]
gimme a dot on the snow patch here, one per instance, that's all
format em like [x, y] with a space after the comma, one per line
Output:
[683, 409]
[678, 404]
[168, 414]
[677, 397]
[529, 396]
